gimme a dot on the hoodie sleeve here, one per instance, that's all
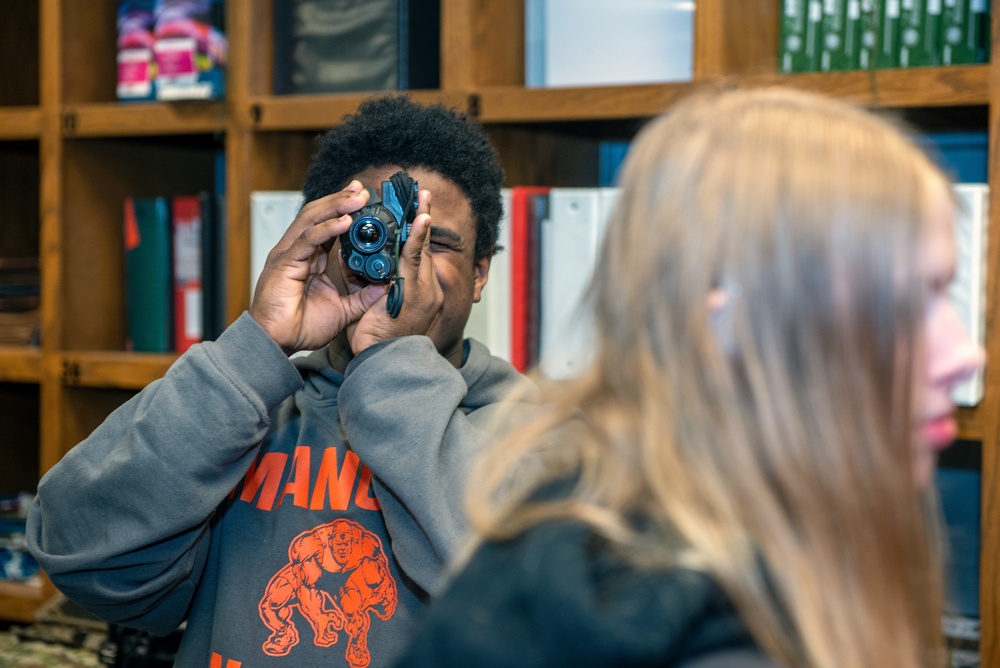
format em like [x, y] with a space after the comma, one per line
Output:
[418, 423]
[120, 524]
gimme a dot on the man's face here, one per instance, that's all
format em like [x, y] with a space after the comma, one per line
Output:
[453, 242]
[343, 544]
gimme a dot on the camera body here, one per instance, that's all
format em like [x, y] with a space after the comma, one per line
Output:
[369, 247]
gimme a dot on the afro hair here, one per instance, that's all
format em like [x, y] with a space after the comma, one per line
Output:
[394, 130]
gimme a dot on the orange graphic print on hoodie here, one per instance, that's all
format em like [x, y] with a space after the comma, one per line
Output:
[342, 547]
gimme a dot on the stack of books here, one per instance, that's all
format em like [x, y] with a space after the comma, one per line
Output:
[20, 296]
[835, 35]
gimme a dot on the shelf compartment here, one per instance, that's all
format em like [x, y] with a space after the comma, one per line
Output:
[99, 175]
[320, 112]
[20, 55]
[139, 119]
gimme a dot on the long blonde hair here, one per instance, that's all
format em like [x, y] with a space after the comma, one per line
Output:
[768, 441]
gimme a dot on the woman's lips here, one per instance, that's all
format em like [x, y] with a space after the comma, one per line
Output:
[941, 432]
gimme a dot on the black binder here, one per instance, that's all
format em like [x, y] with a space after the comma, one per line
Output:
[338, 46]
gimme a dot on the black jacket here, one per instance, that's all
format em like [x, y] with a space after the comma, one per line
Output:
[557, 595]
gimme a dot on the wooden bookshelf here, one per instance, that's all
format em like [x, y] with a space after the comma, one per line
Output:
[78, 152]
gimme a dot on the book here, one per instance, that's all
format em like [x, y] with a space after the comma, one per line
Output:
[149, 287]
[798, 45]
[562, 38]
[887, 53]
[571, 239]
[965, 32]
[136, 65]
[919, 28]
[271, 213]
[963, 154]
[528, 210]
[610, 156]
[213, 248]
[333, 46]
[190, 49]
[868, 22]
[837, 46]
[189, 237]
[968, 288]
[490, 319]
[958, 479]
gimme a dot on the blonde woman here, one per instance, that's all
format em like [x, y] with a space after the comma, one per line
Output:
[747, 464]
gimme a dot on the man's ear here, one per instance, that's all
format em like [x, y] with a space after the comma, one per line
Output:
[480, 274]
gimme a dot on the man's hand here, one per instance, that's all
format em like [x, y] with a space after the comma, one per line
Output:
[422, 294]
[294, 301]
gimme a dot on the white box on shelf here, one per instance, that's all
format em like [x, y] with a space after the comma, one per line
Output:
[597, 42]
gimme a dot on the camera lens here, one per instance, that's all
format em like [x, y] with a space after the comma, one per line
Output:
[369, 233]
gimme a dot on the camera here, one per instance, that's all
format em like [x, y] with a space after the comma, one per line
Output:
[371, 246]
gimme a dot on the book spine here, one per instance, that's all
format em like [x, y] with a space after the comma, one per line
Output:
[214, 253]
[968, 289]
[136, 65]
[797, 52]
[868, 27]
[834, 52]
[190, 49]
[919, 22]
[524, 256]
[888, 44]
[979, 22]
[188, 271]
[958, 36]
[148, 275]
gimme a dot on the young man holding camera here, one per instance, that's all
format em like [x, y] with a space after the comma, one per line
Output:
[303, 510]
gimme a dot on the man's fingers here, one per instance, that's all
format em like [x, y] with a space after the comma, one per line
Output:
[358, 303]
[324, 209]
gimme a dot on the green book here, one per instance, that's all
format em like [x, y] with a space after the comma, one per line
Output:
[868, 29]
[919, 28]
[148, 275]
[798, 51]
[838, 48]
[965, 32]
[887, 54]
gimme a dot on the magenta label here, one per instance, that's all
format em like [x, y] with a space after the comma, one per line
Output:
[136, 71]
[175, 58]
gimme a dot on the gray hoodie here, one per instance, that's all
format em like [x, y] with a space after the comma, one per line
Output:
[291, 514]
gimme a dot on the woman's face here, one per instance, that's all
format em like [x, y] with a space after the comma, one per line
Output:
[948, 354]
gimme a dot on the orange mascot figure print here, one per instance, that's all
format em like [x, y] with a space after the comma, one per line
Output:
[343, 547]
